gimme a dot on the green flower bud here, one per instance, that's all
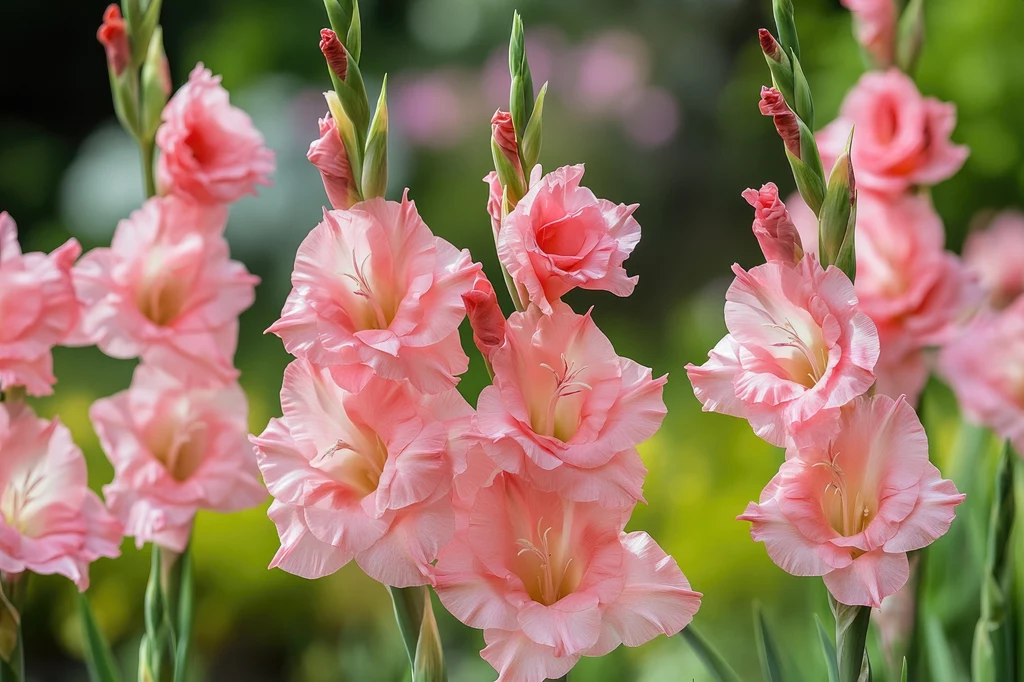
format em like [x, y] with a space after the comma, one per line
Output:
[156, 85]
[375, 168]
[783, 11]
[834, 224]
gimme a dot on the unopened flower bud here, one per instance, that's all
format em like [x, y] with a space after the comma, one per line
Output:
[485, 316]
[156, 84]
[779, 64]
[774, 228]
[334, 52]
[113, 35]
[329, 156]
[504, 134]
[773, 104]
[838, 215]
[771, 48]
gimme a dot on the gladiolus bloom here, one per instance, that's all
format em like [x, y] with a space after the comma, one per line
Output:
[875, 27]
[566, 411]
[773, 227]
[176, 448]
[798, 349]
[549, 581]
[772, 104]
[996, 256]
[50, 521]
[850, 508]
[361, 476]
[985, 367]
[210, 152]
[903, 138]
[166, 291]
[375, 292]
[38, 309]
[328, 154]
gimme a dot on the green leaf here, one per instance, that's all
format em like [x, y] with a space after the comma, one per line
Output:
[98, 658]
[186, 602]
[903, 677]
[713, 662]
[851, 639]
[910, 37]
[771, 665]
[941, 661]
[352, 94]
[339, 14]
[828, 650]
[530, 149]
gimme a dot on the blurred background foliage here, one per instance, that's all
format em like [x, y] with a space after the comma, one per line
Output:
[658, 97]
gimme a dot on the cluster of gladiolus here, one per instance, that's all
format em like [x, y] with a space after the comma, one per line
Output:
[514, 512]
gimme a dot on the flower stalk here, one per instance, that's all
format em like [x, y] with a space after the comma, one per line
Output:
[415, 617]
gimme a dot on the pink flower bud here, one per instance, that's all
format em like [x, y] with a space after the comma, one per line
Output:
[113, 35]
[485, 316]
[504, 134]
[328, 154]
[334, 52]
[773, 227]
[769, 45]
[774, 105]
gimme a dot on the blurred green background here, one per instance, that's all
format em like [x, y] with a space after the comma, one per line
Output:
[657, 97]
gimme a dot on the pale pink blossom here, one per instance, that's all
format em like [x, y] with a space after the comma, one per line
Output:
[362, 476]
[560, 237]
[50, 521]
[773, 227]
[565, 411]
[875, 27]
[177, 447]
[550, 581]
[914, 290]
[985, 367]
[797, 350]
[210, 152]
[329, 156]
[38, 309]
[995, 255]
[375, 292]
[165, 290]
[903, 138]
[851, 507]
[496, 193]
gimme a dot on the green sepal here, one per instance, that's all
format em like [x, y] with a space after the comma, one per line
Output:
[784, 20]
[125, 94]
[154, 97]
[846, 259]
[352, 94]
[782, 77]
[511, 179]
[521, 100]
[809, 183]
[354, 35]
[347, 133]
[375, 160]
[910, 36]
[339, 15]
[851, 640]
[803, 104]
[834, 217]
[428, 664]
[530, 148]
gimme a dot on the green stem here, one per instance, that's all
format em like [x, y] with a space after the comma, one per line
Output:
[148, 148]
[851, 639]
[15, 590]
[409, 603]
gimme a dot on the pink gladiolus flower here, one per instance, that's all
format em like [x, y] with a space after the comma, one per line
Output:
[851, 507]
[495, 192]
[50, 522]
[176, 447]
[550, 580]
[875, 27]
[166, 291]
[209, 150]
[361, 476]
[773, 227]
[772, 104]
[985, 367]
[328, 154]
[903, 138]
[38, 309]
[560, 236]
[798, 349]
[566, 411]
[375, 292]
[996, 256]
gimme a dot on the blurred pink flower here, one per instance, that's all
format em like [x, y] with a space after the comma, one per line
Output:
[851, 507]
[566, 411]
[209, 150]
[875, 27]
[914, 290]
[375, 292]
[651, 116]
[549, 581]
[996, 256]
[177, 447]
[773, 227]
[38, 309]
[611, 69]
[166, 291]
[430, 108]
[560, 236]
[50, 522]
[903, 138]
[985, 367]
[798, 349]
[328, 154]
[361, 476]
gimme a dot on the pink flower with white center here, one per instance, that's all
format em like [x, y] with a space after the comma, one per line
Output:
[985, 367]
[210, 152]
[549, 581]
[50, 522]
[362, 476]
[560, 237]
[566, 411]
[176, 447]
[328, 154]
[374, 292]
[903, 138]
[996, 256]
[851, 507]
[773, 227]
[875, 27]
[165, 290]
[38, 309]
[797, 350]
